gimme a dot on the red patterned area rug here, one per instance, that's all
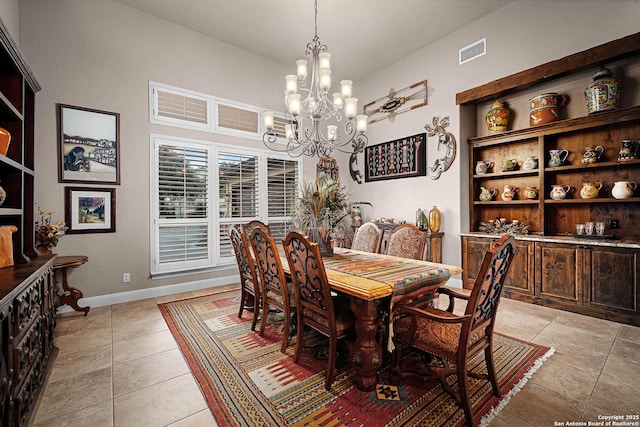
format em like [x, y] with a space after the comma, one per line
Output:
[247, 381]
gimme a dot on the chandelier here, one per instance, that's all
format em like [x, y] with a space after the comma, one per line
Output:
[309, 105]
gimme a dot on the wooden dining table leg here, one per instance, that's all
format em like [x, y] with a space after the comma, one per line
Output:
[365, 352]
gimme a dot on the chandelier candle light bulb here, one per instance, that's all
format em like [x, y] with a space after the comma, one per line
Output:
[350, 107]
[346, 88]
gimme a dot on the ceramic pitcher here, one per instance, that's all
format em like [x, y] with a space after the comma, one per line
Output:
[531, 192]
[629, 150]
[592, 155]
[483, 166]
[509, 192]
[509, 164]
[559, 192]
[623, 189]
[487, 194]
[530, 162]
[590, 190]
[557, 157]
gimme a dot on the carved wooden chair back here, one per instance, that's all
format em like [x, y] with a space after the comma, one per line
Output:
[277, 292]
[248, 227]
[367, 238]
[407, 241]
[316, 307]
[249, 285]
[455, 338]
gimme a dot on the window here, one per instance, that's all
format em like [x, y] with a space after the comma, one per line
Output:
[199, 189]
[177, 107]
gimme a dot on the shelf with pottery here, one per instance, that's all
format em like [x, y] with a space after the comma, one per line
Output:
[595, 148]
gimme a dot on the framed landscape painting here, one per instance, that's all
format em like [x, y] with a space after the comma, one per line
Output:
[88, 146]
[90, 210]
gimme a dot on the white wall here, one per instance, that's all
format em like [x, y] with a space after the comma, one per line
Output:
[101, 54]
[520, 35]
[9, 11]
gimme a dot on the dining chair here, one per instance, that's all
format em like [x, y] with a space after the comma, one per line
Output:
[453, 338]
[277, 291]
[248, 227]
[316, 307]
[249, 285]
[368, 238]
[407, 241]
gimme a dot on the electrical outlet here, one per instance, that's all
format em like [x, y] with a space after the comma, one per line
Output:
[126, 277]
[614, 224]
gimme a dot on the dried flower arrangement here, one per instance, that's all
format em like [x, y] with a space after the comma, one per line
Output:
[48, 232]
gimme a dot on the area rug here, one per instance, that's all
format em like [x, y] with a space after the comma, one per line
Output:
[247, 381]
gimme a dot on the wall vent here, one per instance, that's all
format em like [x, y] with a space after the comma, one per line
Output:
[473, 51]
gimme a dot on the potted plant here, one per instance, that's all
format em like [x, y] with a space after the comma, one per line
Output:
[323, 212]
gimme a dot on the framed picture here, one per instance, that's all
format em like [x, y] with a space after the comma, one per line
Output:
[88, 145]
[90, 210]
[402, 158]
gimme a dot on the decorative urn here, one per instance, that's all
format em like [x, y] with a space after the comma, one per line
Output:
[545, 108]
[603, 93]
[497, 118]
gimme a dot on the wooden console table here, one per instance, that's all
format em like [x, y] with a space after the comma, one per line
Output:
[70, 295]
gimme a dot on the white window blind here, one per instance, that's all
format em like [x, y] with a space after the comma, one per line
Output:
[180, 107]
[279, 123]
[282, 192]
[199, 188]
[236, 118]
[238, 193]
[183, 220]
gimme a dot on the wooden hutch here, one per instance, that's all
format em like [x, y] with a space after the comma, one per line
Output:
[27, 289]
[594, 276]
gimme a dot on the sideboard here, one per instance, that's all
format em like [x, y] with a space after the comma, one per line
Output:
[554, 267]
[27, 327]
[597, 278]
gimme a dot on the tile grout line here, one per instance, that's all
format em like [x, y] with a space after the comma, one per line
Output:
[584, 411]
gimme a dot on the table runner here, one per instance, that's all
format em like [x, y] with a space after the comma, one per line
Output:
[412, 282]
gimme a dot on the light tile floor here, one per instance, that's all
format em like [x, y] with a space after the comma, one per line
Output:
[120, 366]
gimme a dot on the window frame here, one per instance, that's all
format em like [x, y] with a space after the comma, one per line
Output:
[215, 222]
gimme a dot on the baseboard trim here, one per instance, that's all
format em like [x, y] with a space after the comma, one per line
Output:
[139, 294]
[160, 291]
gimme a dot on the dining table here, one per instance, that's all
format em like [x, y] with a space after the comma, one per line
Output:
[374, 282]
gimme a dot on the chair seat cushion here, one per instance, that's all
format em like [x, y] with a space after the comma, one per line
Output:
[433, 336]
[278, 297]
[343, 322]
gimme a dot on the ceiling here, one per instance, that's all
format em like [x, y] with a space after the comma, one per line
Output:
[362, 35]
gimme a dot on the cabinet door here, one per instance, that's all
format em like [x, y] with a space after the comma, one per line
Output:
[559, 277]
[613, 279]
[6, 373]
[520, 278]
[521, 273]
[473, 250]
